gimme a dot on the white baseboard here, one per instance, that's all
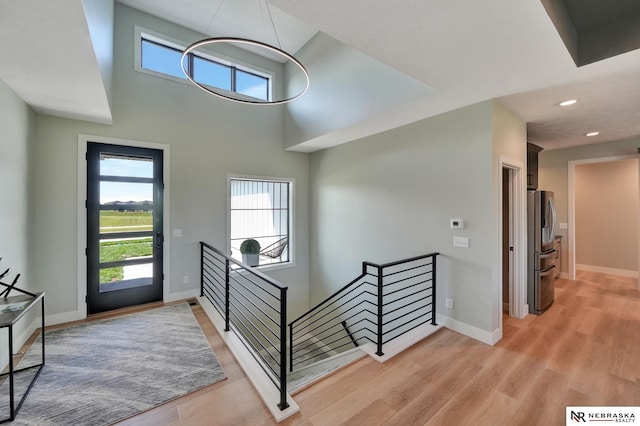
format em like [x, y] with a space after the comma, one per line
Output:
[525, 311]
[490, 338]
[403, 342]
[565, 275]
[63, 317]
[605, 270]
[182, 295]
[259, 379]
[71, 316]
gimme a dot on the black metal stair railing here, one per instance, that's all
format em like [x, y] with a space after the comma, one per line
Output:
[383, 303]
[254, 307]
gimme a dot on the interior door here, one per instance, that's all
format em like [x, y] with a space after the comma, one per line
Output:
[124, 226]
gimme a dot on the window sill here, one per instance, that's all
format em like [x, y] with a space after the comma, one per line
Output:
[267, 267]
[275, 266]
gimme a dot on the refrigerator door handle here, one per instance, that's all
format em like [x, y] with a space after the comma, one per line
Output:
[547, 272]
[545, 255]
[552, 207]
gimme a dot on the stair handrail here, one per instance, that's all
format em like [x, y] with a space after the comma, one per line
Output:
[334, 295]
[212, 280]
[380, 299]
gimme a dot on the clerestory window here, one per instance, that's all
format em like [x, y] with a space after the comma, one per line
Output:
[163, 58]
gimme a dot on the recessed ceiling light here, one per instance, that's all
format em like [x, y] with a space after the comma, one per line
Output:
[568, 102]
[592, 134]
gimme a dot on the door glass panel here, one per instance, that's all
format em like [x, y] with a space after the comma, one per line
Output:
[108, 275]
[124, 277]
[123, 193]
[122, 249]
[125, 221]
[121, 165]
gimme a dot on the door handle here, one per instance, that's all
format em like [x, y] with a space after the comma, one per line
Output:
[158, 240]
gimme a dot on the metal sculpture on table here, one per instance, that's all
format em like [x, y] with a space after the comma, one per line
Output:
[12, 310]
[9, 287]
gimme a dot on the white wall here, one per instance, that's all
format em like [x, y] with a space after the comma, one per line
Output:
[390, 196]
[208, 139]
[16, 144]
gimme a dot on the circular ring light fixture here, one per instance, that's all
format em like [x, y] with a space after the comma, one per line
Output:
[216, 40]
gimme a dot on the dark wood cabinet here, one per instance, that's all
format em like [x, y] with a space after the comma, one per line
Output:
[532, 166]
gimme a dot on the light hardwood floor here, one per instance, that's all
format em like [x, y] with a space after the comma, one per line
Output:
[585, 350]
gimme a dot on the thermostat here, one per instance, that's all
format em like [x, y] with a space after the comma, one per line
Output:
[456, 224]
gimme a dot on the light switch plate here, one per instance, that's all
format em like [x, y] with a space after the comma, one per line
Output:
[177, 232]
[461, 242]
[563, 225]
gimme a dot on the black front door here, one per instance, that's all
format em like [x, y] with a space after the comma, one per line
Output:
[124, 226]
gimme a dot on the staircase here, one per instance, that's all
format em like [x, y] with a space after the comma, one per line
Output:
[386, 303]
[303, 377]
[384, 310]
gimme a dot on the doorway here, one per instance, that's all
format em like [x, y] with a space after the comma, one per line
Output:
[507, 244]
[124, 208]
[513, 250]
[613, 182]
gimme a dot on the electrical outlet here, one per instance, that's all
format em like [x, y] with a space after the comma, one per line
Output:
[449, 303]
[185, 279]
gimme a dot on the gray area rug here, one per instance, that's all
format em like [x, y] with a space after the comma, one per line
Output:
[105, 371]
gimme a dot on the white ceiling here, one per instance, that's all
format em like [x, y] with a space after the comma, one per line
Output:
[467, 51]
[253, 19]
[47, 57]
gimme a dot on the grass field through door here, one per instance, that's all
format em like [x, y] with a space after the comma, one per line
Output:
[123, 248]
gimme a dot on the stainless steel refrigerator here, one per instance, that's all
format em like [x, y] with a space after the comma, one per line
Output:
[541, 222]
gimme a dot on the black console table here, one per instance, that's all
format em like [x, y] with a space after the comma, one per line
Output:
[12, 310]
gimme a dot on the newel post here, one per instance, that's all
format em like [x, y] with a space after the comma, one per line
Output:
[380, 312]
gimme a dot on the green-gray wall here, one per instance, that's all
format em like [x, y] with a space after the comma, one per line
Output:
[390, 196]
[381, 198]
[16, 148]
[347, 88]
[208, 139]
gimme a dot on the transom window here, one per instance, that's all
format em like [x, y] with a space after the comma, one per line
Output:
[260, 209]
[164, 58]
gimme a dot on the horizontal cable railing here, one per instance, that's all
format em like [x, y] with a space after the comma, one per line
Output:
[254, 307]
[383, 303]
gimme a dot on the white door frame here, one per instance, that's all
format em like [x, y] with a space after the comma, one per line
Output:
[82, 215]
[571, 253]
[518, 286]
